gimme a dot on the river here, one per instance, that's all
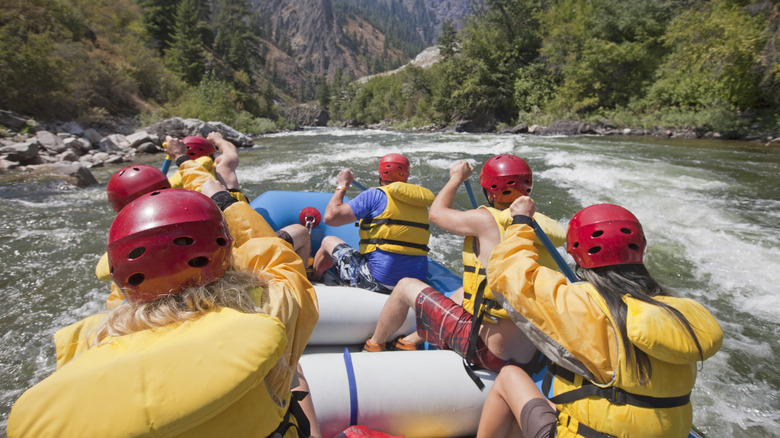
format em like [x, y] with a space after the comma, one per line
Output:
[710, 210]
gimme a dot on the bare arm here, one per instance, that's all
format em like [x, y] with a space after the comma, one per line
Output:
[337, 212]
[462, 223]
[227, 162]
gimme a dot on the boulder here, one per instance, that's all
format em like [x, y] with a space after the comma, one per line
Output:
[12, 120]
[21, 152]
[114, 143]
[74, 173]
[50, 142]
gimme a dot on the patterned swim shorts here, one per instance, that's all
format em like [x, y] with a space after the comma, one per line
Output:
[445, 324]
[352, 269]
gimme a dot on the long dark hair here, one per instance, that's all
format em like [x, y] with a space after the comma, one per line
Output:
[612, 283]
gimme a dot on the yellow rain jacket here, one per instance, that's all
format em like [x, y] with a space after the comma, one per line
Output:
[195, 379]
[177, 180]
[403, 227]
[571, 325]
[289, 300]
[474, 272]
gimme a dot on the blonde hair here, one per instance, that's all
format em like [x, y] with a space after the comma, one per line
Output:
[232, 290]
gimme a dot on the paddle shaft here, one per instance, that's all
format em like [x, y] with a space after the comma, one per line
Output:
[166, 164]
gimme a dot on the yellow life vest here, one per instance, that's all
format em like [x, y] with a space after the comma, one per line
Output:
[195, 379]
[403, 227]
[623, 407]
[474, 271]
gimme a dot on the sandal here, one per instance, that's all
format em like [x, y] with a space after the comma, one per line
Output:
[401, 345]
[372, 347]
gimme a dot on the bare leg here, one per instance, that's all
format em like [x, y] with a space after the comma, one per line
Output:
[396, 308]
[323, 260]
[301, 241]
[511, 391]
[227, 162]
[306, 404]
[457, 296]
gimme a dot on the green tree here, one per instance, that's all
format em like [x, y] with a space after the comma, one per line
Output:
[234, 41]
[158, 19]
[186, 55]
[448, 39]
[714, 57]
[323, 92]
[604, 52]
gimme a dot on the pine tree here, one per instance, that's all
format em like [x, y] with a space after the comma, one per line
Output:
[186, 56]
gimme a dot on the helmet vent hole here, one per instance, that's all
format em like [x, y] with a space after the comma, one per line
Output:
[183, 241]
[633, 246]
[221, 241]
[137, 252]
[594, 250]
[198, 262]
[135, 279]
[510, 183]
[576, 245]
[597, 234]
[155, 193]
[625, 230]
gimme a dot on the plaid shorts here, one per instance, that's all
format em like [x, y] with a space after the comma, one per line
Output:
[446, 325]
[352, 269]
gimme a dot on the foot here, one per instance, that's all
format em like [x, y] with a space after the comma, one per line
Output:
[403, 345]
[372, 347]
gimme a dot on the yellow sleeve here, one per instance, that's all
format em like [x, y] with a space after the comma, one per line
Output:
[175, 180]
[71, 341]
[103, 270]
[290, 297]
[195, 172]
[563, 316]
[557, 236]
[245, 223]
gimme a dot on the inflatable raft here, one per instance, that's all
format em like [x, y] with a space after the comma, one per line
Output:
[425, 393]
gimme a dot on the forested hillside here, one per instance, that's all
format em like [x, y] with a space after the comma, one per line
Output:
[239, 61]
[699, 64]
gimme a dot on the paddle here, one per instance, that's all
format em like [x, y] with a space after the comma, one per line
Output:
[360, 186]
[542, 237]
[166, 164]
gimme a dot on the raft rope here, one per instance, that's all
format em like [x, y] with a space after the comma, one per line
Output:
[353, 401]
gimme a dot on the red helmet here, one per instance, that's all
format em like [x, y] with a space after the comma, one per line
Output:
[604, 235]
[198, 147]
[506, 177]
[394, 167]
[133, 181]
[166, 241]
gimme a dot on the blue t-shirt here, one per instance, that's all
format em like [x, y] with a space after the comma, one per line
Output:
[386, 267]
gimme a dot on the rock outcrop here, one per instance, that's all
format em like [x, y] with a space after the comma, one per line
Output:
[69, 150]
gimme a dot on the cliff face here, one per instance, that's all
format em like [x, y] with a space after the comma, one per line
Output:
[322, 42]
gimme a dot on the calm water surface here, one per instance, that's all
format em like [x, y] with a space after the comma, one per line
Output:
[711, 212]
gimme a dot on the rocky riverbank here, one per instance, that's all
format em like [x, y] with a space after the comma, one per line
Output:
[68, 151]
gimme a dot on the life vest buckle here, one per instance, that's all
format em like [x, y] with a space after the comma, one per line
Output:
[615, 395]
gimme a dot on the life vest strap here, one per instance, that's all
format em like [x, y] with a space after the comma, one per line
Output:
[482, 271]
[366, 224]
[488, 303]
[614, 395]
[476, 321]
[379, 241]
[303, 427]
[589, 432]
